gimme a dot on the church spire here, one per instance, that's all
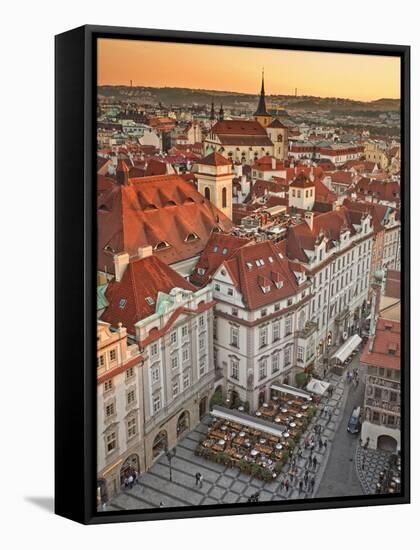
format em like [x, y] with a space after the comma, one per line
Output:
[212, 114]
[221, 112]
[262, 109]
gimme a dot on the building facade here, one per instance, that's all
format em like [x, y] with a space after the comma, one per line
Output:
[120, 445]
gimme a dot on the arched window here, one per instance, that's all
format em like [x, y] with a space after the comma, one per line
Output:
[207, 193]
[224, 197]
[160, 444]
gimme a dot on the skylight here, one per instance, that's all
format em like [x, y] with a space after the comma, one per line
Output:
[122, 303]
[249, 265]
[149, 300]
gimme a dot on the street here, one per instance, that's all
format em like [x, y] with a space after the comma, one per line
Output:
[340, 477]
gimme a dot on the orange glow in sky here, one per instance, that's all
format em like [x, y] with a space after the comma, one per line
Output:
[238, 69]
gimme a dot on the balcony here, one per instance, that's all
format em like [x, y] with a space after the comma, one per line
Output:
[375, 381]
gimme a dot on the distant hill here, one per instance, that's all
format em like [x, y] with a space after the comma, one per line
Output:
[188, 97]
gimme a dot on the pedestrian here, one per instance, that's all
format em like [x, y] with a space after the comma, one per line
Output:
[197, 478]
[363, 463]
[300, 486]
[286, 485]
[314, 462]
[130, 481]
[312, 484]
[325, 443]
[201, 481]
[282, 485]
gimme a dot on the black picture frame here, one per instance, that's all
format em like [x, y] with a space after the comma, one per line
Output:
[75, 267]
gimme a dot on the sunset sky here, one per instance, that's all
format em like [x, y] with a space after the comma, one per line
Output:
[237, 69]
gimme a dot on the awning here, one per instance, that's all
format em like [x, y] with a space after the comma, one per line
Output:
[248, 421]
[345, 350]
[317, 386]
[291, 391]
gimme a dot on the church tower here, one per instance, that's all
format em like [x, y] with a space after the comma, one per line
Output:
[212, 114]
[261, 115]
[221, 112]
[214, 181]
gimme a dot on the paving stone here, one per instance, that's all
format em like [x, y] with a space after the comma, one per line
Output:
[209, 501]
[224, 481]
[230, 498]
[232, 472]
[217, 493]
[238, 486]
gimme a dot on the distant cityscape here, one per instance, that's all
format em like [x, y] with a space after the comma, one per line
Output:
[248, 297]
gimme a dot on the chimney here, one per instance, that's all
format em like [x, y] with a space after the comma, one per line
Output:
[309, 219]
[144, 251]
[311, 174]
[122, 173]
[273, 163]
[121, 262]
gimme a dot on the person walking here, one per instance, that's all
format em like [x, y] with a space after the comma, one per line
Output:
[312, 484]
[314, 462]
[197, 478]
[300, 486]
[200, 481]
[286, 485]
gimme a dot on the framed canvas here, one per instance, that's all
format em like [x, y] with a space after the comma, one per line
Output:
[232, 274]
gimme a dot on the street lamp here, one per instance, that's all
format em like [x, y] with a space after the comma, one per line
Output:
[170, 455]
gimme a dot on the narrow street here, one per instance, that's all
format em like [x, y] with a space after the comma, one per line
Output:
[340, 477]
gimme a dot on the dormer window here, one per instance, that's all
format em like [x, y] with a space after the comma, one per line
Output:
[201, 271]
[161, 245]
[191, 237]
[122, 303]
[249, 265]
[149, 300]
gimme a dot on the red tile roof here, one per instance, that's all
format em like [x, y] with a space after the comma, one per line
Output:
[250, 278]
[386, 350]
[143, 278]
[302, 181]
[215, 159]
[153, 211]
[331, 223]
[238, 128]
[276, 124]
[218, 249]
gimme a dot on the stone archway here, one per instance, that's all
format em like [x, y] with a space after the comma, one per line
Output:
[101, 491]
[130, 465]
[202, 407]
[183, 423]
[160, 443]
[387, 443]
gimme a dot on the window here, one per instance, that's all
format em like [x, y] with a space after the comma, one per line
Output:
[186, 380]
[111, 442]
[234, 369]
[277, 307]
[235, 311]
[129, 373]
[287, 355]
[101, 360]
[275, 364]
[174, 362]
[122, 303]
[185, 355]
[234, 337]
[131, 397]
[149, 300]
[184, 331]
[131, 427]
[113, 355]
[263, 312]
[201, 343]
[224, 197]
[262, 369]
[175, 388]
[156, 403]
[202, 367]
[155, 374]
[230, 291]
[217, 287]
[300, 352]
[288, 326]
[173, 338]
[276, 331]
[108, 385]
[110, 409]
[289, 301]
[201, 271]
[263, 337]
[201, 321]
[153, 349]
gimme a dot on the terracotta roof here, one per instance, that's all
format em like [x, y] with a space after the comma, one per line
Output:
[331, 223]
[215, 159]
[265, 163]
[341, 176]
[386, 350]
[153, 211]
[302, 181]
[155, 168]
[238, 128]
[218, 249]
[255, 269]
[262, 187]
[322, 193]
[143, 278]
[276, 124]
